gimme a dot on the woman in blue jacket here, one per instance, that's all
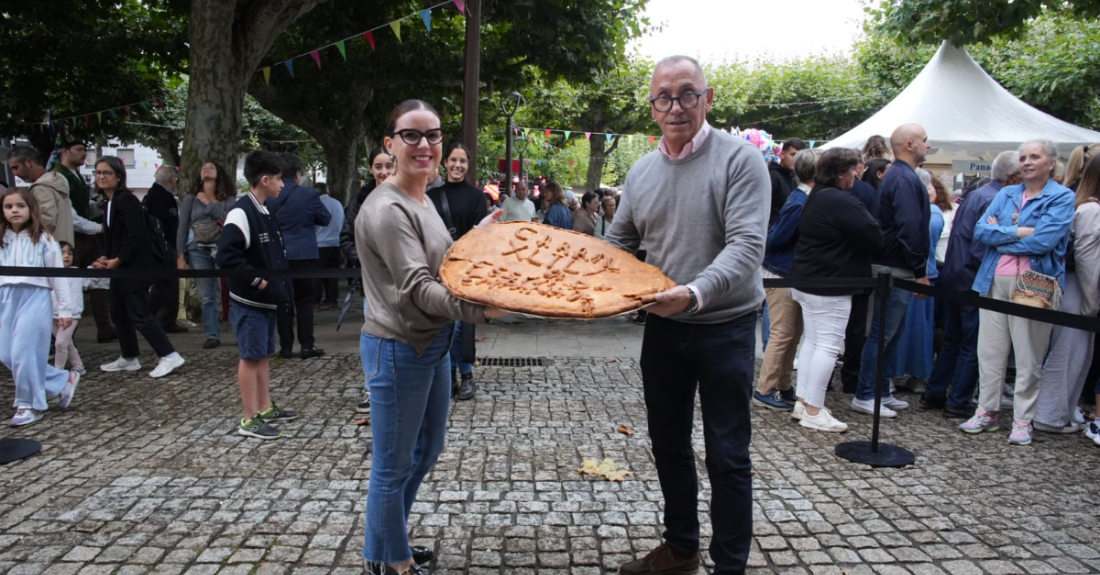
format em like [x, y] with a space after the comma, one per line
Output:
[557, 214]
[1025, 227]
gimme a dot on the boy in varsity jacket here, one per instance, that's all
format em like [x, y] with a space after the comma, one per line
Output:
[251, 240]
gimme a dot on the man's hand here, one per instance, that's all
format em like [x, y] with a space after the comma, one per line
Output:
[100, 263]
[181, 263]
[64, 322]
[923, 281]
[669, 302]
[113, 264]
[263, 284]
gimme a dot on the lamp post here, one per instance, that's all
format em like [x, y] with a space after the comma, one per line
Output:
[522, 151]
[509, 104]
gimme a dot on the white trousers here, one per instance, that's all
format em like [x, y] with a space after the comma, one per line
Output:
[824, 319]
[997, 333]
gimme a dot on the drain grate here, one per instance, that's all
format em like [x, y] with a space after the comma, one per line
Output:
[513, 361]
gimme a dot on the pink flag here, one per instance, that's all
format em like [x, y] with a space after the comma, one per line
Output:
[461, 5]
[316, 57]
[588, 135]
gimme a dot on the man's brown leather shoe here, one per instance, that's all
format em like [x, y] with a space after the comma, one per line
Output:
[662, 561]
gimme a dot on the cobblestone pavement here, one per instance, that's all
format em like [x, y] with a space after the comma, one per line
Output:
[142, 476]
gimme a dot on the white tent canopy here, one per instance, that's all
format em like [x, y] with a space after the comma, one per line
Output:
[965, 111]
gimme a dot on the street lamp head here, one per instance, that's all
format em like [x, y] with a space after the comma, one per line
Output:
[510, 103]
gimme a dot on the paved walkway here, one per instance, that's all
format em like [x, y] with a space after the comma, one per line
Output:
[142, 476]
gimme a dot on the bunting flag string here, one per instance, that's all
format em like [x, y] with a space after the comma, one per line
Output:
[587, 135]
[424, 15]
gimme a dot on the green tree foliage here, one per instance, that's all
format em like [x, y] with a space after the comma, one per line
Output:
[968, 21]
[67, 57]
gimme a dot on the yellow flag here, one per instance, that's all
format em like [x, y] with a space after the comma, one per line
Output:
[396, 29]
[267, 75]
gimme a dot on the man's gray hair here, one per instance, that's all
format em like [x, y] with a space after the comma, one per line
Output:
[1004, 165]
[805, 165]
[23, 153]
[925, 176]
[669, 60]
[165, 173]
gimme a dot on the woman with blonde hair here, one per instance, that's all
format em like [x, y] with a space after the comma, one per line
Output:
[1075, 167]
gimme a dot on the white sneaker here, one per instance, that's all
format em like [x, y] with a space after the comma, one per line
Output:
[69, 389]
[167, 365]
[25, 416]
[799, 411]
[868, 406]
[122, 364]
[823, 421]
[895, 403]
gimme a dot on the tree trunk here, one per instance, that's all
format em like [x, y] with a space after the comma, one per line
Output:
[341, 155]
[227, 45]
[472, 87]
[597, 157]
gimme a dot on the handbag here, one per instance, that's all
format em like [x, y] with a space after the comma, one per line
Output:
[207, 231]
[1033, 289]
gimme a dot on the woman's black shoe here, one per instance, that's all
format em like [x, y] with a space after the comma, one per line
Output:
[211, 343]
[422, 555]
[312, 352]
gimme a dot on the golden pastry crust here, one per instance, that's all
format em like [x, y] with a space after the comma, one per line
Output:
[545, 271]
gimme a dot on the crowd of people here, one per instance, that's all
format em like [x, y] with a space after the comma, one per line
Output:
[1022, 237]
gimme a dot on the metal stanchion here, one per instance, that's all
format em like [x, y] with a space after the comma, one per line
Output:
[872, 452]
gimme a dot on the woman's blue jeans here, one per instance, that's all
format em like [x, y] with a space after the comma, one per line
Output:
[203, 259]
[410, 398]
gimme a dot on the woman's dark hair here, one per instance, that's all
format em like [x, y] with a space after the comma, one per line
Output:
[555, 188]
[588, 197]
[223, 184]
[404, 108]
[875, 148]
[456, 146]
[35, 227]
[375, 152]
[117, 167]
[833, 164]
[870, 175]
[1088, 188]
[943, 199]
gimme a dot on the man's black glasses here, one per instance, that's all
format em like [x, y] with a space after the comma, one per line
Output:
[688, 100]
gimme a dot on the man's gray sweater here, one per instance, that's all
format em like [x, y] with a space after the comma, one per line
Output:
[703, 220]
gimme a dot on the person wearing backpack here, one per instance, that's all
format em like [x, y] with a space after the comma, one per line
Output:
[128, 243]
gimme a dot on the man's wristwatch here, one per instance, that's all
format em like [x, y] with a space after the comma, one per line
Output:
[693, 305]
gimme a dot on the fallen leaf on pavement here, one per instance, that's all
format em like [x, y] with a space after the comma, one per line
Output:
[363, 422]
[625, 430]
[605, 469]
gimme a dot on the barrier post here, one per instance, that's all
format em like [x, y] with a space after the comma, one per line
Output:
[872, 452]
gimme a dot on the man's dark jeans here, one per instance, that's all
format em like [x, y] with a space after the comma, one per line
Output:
[130, 314]
[303, 311]
[717, 359]
[957, 363]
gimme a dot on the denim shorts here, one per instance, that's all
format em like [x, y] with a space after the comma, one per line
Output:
[254, 329]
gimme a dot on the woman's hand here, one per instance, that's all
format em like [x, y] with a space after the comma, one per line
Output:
[181, 263]
[495, 313]
[491, 218]
[1022, 232]
[992, 220]
[263, 284]
[113, 264]
[64, 322]
[202, 197]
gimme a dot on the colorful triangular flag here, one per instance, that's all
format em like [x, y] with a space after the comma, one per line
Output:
[316, 54]
[609, 137]
[426, 16]
[343, 51]
[160, 103]
[396, 27]
[127, 108]
[588, 135]
[651, 138]
[112, 113]
[548, 132]
[99, 117]
[267, 75]
[87, 121]
[812, 142]
[461, 6]
[369, 37]
[290, 67]
[567, 134]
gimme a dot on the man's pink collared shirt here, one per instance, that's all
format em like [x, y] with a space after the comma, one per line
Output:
[689, 148]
